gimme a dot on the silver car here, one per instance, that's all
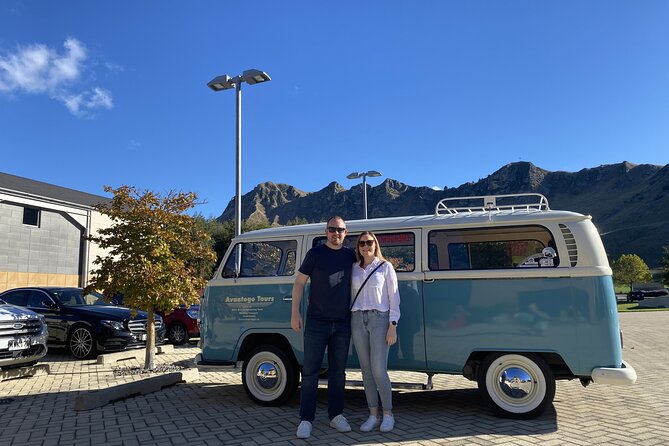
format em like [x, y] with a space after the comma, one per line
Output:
[23, 336]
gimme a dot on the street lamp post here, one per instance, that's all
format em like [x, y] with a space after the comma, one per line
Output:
[364, 175]
[225, 82]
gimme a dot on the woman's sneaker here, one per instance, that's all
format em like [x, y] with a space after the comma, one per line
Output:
[388, 423]
[371, 424]
[304, 429]
[340, 423]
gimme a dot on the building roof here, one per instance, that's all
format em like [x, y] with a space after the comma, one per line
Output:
[26, 186]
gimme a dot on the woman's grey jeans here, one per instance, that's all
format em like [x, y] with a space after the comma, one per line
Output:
[369, 330]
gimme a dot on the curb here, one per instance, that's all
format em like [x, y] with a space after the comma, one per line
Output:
[99, 398]
[138, 353]
[24, 372]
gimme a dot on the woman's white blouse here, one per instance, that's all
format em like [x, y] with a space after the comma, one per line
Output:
[380, 292]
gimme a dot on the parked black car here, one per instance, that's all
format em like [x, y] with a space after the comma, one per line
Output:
[638, 295]
[85, 324]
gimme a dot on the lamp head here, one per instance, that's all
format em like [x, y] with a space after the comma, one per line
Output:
[254, 76]
[219, 83]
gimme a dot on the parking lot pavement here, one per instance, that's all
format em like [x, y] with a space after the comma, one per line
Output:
[215, 410]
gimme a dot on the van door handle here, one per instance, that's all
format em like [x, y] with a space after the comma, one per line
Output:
[428, 280]
[287, 298]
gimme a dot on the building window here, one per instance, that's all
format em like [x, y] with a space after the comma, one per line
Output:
[31, 216]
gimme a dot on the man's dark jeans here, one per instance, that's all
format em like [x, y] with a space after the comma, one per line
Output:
[336, 336]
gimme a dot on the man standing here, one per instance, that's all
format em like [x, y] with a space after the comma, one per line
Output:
[328, 324]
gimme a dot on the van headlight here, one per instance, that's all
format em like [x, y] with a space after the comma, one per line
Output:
[116, 325]
[193, 314]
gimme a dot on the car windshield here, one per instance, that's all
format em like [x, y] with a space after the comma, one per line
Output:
[73, 298]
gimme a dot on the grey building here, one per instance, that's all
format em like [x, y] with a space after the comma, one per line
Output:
[43, 231]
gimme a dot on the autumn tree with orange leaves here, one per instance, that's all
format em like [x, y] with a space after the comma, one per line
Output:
[157, 256]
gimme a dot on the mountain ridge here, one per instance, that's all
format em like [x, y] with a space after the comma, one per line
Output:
[629, 202]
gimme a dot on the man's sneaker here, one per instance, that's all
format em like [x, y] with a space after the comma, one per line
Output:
[388, 423]
[371, 424]
[340, 423]
[304, 429]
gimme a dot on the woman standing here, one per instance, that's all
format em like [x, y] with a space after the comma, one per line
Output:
[375, 312]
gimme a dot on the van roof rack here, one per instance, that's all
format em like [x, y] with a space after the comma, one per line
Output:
[489, 203]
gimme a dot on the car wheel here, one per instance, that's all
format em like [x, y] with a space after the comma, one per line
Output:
[269, 376]
[178, 334]
[81, 343]
[516, 386]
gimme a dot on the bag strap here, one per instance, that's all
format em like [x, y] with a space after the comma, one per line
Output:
[363, 283]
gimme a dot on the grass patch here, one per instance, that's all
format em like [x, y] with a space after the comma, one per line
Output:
[621, 289]
[633, 307]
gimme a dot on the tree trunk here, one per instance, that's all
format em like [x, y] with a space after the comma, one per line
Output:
[150, 361]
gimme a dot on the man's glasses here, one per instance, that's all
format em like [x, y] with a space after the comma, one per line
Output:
[365, 242]
[333, 229]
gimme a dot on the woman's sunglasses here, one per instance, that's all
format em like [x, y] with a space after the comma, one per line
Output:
[365, 242]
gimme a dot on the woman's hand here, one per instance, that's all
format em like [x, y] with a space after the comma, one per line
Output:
[391, 336]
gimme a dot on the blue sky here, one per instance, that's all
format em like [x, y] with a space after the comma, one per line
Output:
[430, 93]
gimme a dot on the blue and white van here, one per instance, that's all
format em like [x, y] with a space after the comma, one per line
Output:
[499, 289]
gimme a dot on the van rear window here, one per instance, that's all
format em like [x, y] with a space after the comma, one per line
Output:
[491, 248]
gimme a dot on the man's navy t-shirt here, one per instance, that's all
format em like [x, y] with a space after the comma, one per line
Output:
[330, 290]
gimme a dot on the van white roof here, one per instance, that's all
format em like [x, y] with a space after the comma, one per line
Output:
[459, 220]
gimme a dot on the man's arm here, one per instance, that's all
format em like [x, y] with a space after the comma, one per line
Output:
[298, 291]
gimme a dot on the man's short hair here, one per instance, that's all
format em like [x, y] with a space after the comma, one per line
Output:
[334, 217]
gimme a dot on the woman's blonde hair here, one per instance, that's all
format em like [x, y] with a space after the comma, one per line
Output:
[377, 247]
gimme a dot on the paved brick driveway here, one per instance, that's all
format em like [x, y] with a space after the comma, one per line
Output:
[215, 410]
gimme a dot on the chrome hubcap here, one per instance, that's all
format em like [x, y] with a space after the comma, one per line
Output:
[516, 383]
[267, 375]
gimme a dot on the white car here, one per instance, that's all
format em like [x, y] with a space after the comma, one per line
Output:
[23, 336]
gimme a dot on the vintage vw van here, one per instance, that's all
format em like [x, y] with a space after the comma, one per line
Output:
[500, 289]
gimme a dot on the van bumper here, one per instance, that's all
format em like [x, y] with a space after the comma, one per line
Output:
[616, 376]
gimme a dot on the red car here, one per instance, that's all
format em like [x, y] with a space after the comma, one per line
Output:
[182, 324]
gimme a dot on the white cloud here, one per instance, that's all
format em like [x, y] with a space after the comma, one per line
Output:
[436, 188]
[38, 69]
[83, 104]
[134, 145]
[114, 68]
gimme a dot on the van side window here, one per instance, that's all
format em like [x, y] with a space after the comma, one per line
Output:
[491, 248]
[262, 259]
[397, 247]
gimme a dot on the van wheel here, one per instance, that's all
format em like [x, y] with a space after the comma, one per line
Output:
[516, 386]
[270, 378]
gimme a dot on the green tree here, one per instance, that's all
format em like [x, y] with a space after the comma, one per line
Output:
[222, 233]
[665, 265]
[297, 221]
[630, 268]
[156, 256]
